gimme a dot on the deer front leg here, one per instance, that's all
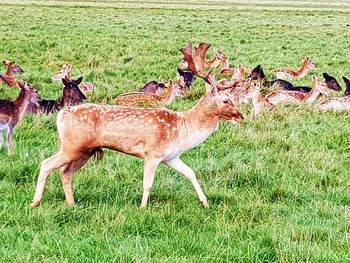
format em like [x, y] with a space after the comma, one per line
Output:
[47, 166]
[185, 170]
[148, 178]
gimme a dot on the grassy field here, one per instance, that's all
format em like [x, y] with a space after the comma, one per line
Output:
[278, 185]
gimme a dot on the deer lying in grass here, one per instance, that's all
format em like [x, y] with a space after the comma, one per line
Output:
[282, 96]
[64, 73]
[287, 74]
[140, 98]
[258, 74]
[122, 129]
[9, 76]
[258, 100]
[72, 95]
[12, 112]
[337, 104]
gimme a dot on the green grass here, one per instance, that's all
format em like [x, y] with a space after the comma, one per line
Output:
[278, 185]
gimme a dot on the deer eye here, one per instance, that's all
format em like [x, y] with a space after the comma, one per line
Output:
[227, 101]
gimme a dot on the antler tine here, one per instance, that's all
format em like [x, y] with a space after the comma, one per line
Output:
[196, 64]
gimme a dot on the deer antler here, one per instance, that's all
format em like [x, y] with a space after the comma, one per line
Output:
[196, 64]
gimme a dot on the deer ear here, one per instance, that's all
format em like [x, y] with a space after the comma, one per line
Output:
[346, 80]
[79, 80]
[5, 62]
[65, 82]
[180, 71]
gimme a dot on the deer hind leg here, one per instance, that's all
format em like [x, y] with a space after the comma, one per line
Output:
[185, 170]
[67, 175]
[47, 166]
[148, 179]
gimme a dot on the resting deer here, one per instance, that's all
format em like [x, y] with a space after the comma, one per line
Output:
[170, 134]
[9, 76]
[281, 96]
[258, 100]
[12, 112]
[139, 98]
[64, 73]
[287, 74]
[337, 104]
[72, 95]
[258, 74]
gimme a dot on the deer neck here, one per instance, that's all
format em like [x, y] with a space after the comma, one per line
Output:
[312, 95]
[303, 70]
[201, 118]
[169, 95]
[22, 102]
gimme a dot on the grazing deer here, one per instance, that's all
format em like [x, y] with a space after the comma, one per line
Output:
[122, 129]
[281, 96]
[287, 74]
[64, 73]
[337, 104]
[12, 112]
[72, 95]
[9, 76]
[139, 98]
[347, 83]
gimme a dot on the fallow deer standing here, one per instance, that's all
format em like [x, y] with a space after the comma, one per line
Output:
[12, 112]
[122, 129]
[282, 96]
[64, 73]
[9, 76]
[337, 104]
[287, 74]
[142, 98]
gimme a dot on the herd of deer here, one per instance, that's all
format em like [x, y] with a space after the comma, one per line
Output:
[169, 133]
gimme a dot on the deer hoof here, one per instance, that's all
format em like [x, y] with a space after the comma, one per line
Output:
[34, 204]
[205, 204]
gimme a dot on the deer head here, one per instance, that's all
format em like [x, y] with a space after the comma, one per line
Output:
[347, 83]
[72, 93]
[185, 78]
[320, 85]
[309, 64]
[12, 67]
[331, 82]
[257, 73]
